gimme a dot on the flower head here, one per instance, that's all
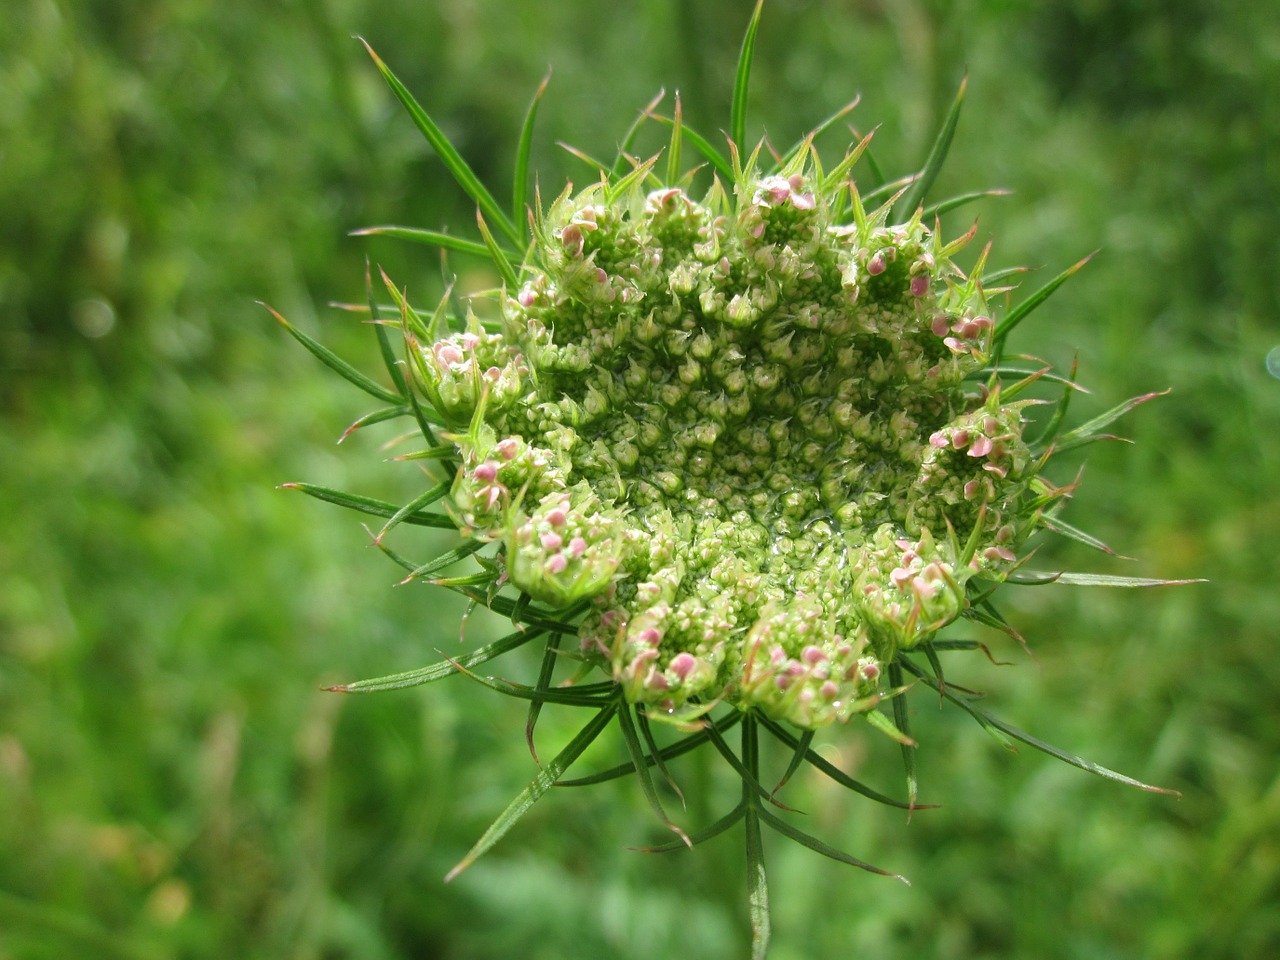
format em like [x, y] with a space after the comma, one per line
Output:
[754, 449]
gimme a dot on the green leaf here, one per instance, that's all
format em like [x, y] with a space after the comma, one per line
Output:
[797, 757]
[738, 112]
[461, 171]
[377, 508]
[1023, 309]
[700, 143]
[424, 499]
[432, 238]
[1092, 430]
[1103, 580]
[817, 846]
[668, 752]
[376, 416]
[701, 836]
[389, 358]
[922, 181]
[992, 723]
[499, 259]
[903, 722]
[1061, 527]
[624, 148]
[956, 202]
[442, 668]
[521, 180]
[640, 762]
[794, 150]
[820, 763]
[537, 787]
[337, 364]
[673, 150]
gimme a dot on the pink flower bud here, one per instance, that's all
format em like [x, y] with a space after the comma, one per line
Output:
[556, 517]
[551, 541]
[682, 665]
[556, 564]
[486, 472]
[577, 546]
[920, 285]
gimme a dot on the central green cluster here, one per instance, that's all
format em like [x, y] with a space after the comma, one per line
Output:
[741, 429]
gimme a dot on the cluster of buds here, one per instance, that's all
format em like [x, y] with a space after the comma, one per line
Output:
[742, 433]
[465, 371]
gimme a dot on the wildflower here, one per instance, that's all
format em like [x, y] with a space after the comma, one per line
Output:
[752, 449]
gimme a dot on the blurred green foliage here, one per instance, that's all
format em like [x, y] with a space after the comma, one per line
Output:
[172, 782]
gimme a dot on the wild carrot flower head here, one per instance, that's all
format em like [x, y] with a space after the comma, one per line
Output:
[752, 449]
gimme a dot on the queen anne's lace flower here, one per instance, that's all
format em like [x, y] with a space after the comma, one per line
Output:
[753, 449]
[747, 433]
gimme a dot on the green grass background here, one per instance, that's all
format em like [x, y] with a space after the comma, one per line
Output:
[172, 781]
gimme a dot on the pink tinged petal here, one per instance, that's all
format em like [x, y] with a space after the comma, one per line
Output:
[983, 323]
[656, 681]
[527, 296]
[571, 237]
[954, 345]
[486, 472]
[939, 440]
[577, 546]
[971, 489]
[492, 494]
[757, 230]
[447, 354]
[493, 373]
[650, 636]
[981, 447]
[941, 324]
[829, 690]
[870, 671]
[682, 665]
[556, 517]
[557, 564]
[551, 541]
[508, 448]
[813, 655]
[877, 264]
[803, 201]
[920, 285]
[960, 439]
[923, 589]
[900, 577]
[998, 469]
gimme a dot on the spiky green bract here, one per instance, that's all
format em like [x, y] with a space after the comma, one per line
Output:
[752, 450]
